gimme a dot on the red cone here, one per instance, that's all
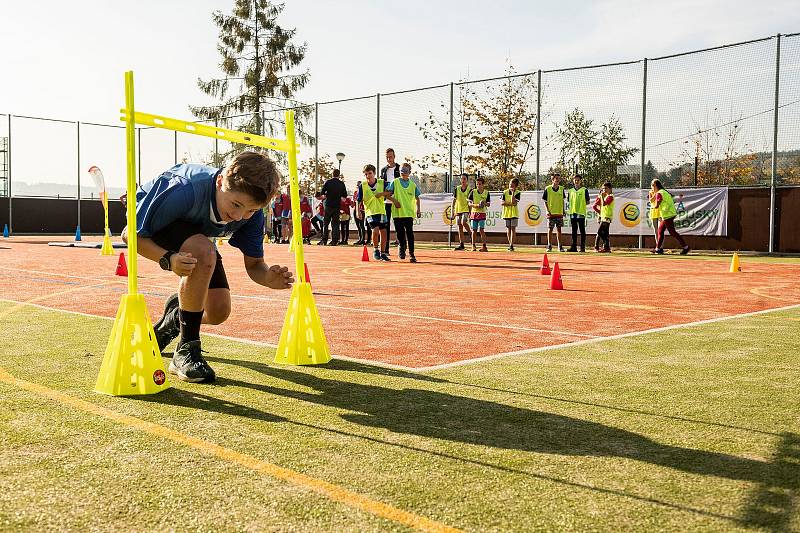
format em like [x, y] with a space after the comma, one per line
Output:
[365, 255]
[308, 278]
[545, 270]
[555, 279]
[122, 268]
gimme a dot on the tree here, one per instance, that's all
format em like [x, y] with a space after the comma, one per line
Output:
[312, 175]
[598, 153]
[261, 55]
[505, 129]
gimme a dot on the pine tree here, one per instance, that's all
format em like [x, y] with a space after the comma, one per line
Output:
[261, 56]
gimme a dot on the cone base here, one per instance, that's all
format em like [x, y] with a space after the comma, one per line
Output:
[108, 248]
[302, 339]
[132, 364]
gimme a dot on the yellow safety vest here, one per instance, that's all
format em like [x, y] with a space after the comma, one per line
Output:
[407, 198]
[606, 211]
[655, 212]
[555, 200]
[510, 211]
[577, 201]
[478, 197]
[372, 204]
[667, 205]
[462, 204]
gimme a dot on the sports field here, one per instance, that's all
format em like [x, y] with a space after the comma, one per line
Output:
[652, 393]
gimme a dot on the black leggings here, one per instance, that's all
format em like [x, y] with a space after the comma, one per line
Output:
[344, 230]
[388, 228]
[603, 235]
[405, 233]
[578, 223]
[360, 226]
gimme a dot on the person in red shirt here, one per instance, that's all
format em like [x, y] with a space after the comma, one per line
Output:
[344, 219]
[604, 207]
[286, 215]
[277, 210]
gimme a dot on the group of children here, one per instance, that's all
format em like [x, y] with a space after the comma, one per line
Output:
[469, 212]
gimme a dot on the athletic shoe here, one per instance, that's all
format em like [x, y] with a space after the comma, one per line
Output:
[459, 247]
[560, 248]
[660, 251]
[377, 255]
[334, 243]
[484, 248]
[572, 249]
[606, 250]
[168, 326]
[474, 248]
[402, 255]
[413, 259]
[583, 249]
[322, 243]
[394, 243]
[188, 364]
[385, 257]
[549, 248]
[685, 250]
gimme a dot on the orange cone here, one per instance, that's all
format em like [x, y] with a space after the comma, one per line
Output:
[308, 278]
[545, 270]
[365, 255]
[122, 268]
[555, 279]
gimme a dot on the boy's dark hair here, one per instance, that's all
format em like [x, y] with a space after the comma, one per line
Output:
[480, 179]
[515, 181]
[464, 175]
[390, 150]
[253, 174]
[657, 183]
[607, 185]
[336, 172]
[369, 167]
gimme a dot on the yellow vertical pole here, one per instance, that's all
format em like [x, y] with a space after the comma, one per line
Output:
[294, 182]
[130, 144]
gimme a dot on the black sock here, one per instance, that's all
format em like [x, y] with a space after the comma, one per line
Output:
[190, 325]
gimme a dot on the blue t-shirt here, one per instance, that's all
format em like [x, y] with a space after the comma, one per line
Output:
[405, 185]
[188, 192]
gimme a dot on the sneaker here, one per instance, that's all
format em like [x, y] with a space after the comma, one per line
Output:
[659, 251]
[334, 243]
[484, 248]
[168, 326]
[510, 248]
[402, 255]
[377, 255]
[413, 259]
[460, 246]
[685, 250]
[583, 249]
[322, 243]
[394, 243]
[560, 248]
[385, 257]
[474, 248]
[549, 248]
[606, 250]
[572, 249]
[188, 364]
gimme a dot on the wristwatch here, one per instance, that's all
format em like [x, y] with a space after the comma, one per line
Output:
[164, 261]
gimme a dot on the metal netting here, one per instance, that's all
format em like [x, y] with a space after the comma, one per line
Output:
[789, 112]
[45, 157]
[710, 115]
[591, 123]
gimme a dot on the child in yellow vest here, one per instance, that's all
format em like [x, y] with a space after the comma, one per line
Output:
[406, 193]
[666, 207]
[554, 204]
[511, 197]
[578, 200]
[655, 212]
[459, 207]
[604, 207]
[372, 193]
[478, 202]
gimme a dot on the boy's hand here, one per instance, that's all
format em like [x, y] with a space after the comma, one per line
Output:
[396, 203]
[182, 263]
[279, 277]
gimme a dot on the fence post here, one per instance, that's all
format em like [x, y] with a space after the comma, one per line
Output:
[10, 225]
[78, 131]
[378, 136]
[538, 122]
[772, 218]
[316, 146]
[450, 171]
[641, 168]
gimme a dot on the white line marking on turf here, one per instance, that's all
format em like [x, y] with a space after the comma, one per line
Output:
[600, 339]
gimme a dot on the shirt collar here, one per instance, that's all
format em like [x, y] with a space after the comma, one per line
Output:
[213, 214]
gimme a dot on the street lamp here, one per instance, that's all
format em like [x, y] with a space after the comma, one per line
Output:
[340, 157]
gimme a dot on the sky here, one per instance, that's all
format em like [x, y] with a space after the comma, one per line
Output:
[66, 59]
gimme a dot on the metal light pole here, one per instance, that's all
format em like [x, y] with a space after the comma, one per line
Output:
[340, 157]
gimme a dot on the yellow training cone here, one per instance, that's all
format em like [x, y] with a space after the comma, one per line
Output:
[735, 267]
[302, 340]
[220, 242]
[132, 364]
[107, 248]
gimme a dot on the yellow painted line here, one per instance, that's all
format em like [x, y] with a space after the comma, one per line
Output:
[334, 492]
[625, 306]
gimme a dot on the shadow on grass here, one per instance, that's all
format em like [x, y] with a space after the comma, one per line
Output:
[772, 503]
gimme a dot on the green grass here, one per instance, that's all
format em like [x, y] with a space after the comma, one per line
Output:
[691, 429]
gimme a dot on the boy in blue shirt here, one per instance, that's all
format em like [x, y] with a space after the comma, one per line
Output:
[175, 215]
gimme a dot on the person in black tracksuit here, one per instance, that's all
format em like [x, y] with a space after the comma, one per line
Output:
[333, 190]
[388, 173]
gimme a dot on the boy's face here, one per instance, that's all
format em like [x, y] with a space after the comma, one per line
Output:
[463, 181]
[480, 185]
[512, 186]
[390, 158]
[370, 175]
[234, 205]
[605, 190]
[577, 182]
[556, 180]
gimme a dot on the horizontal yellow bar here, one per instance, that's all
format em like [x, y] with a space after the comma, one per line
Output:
[146, 119]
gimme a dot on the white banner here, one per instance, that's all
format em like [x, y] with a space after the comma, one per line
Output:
[700, 212]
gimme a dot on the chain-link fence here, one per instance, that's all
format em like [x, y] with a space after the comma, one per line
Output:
[725, 116]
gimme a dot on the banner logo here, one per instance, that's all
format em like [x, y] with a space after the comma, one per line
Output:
[533, 215]
[447, 215]
[630, 214]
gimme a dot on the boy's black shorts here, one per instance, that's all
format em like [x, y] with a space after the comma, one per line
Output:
[172, 238]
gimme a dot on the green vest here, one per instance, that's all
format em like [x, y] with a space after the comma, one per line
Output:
[510, 211]
[577, 201]
[407, 198]
[462, 206]
[606, 211]
[555, 200]
[667, 206]
[478, 197]
[372, 204]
